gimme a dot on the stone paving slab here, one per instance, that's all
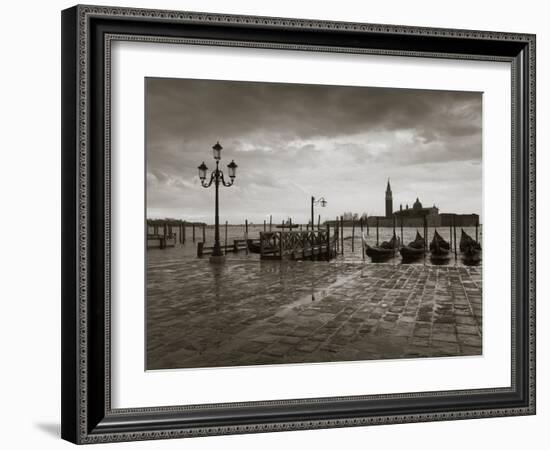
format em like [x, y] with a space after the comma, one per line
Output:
[251, 312]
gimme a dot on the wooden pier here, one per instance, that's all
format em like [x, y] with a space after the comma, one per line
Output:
[237, 246]
[161, 240]
[290, 241]
[163, 233]
[298, 245]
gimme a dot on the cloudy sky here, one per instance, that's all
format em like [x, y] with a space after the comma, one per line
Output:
[293, 141]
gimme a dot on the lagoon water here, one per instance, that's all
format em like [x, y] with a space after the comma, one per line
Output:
[189, 250]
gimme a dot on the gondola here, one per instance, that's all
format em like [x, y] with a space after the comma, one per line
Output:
[440, 250]
[384, 251]
[415, 250]
[470, 250]
[287, 226]
[466, 242]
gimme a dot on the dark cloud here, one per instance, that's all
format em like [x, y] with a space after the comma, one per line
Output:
[293, 141]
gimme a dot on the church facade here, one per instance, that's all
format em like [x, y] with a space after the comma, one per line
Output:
[417, 214]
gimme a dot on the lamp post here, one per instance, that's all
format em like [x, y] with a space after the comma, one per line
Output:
[216, 177]
[314, 202]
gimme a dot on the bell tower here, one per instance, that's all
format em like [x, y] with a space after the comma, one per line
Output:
[389, 200]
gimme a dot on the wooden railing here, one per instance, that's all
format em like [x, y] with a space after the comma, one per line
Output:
[237, 246]
[297, 244]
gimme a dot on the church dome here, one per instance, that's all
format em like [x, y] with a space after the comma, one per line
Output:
[417, 204]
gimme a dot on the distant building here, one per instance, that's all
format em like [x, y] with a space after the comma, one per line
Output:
[415, 216]
[460, 220]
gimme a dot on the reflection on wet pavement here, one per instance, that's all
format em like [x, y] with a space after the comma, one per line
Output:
[248, 312]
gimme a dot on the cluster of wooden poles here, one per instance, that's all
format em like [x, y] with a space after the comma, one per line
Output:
[167, 230]
[361, 225]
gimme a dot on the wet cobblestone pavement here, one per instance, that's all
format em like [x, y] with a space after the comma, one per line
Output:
[247, 312]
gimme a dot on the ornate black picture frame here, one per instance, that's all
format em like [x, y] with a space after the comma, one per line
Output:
[87, 34]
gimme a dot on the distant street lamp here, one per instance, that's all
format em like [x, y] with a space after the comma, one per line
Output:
[314, 202]
[216, 177]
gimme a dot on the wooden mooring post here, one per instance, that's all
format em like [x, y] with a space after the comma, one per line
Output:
[425, 238]
[225, 241]
[451, 227]
[270, 222]
[336, 235]
[352, 235]
[342, 238]
[264, 226]
[454, 229]
[319, 222]
[362, 243]
[402, 241]
[193, 231]
[425, 234]
[203, 232]
[163, 238]
[477, 229]
[246, 235]
[328, 242]
[377, 233]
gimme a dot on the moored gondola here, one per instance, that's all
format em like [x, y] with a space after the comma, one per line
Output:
[466, 242]
[414, 250]
[440, 250]
[384, 251]
[470, 250]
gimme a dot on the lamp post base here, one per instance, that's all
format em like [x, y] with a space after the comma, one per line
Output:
[217, 259]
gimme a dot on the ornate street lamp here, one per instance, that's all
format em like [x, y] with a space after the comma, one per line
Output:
[314, 202]
[232, 169]
[202, 171]
[216, 177]
[217, 151]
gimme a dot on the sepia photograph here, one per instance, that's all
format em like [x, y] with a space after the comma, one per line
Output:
[303, 223]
